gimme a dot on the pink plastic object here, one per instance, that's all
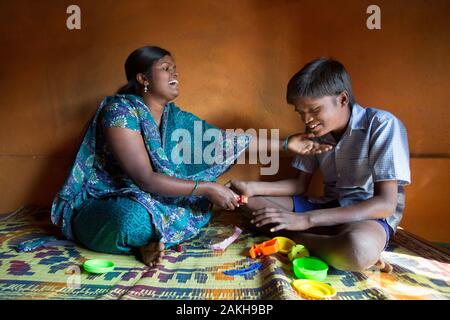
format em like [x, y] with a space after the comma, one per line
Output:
[225, 243]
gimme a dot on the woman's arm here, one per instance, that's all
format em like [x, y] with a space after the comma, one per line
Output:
[129, 150]
[299, 143]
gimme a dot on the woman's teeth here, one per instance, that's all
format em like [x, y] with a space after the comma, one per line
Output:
[312, 126]
[173, 82]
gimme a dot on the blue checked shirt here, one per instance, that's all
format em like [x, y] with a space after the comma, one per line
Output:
[373, 148]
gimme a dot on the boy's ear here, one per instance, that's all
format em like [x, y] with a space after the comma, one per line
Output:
[343, 98]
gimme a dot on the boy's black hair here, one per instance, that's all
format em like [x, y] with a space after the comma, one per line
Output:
[319, 78]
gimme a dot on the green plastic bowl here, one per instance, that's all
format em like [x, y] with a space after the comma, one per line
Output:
[98, 266]
[310, 268]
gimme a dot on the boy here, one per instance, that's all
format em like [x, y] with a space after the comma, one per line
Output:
[364, 174]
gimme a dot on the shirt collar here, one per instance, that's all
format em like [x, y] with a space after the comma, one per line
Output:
[358, 119]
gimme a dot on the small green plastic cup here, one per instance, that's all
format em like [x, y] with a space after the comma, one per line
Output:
[98, 266]
[310, 268]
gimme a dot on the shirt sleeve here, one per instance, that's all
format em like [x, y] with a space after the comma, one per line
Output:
[389, 152]
[307, 164]
[120, 115]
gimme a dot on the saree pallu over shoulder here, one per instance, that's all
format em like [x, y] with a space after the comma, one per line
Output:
[176, 149]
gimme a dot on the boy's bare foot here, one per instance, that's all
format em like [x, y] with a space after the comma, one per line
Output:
[383, 266]
[152, 253]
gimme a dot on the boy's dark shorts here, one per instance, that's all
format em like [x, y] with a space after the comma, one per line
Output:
[301, 204]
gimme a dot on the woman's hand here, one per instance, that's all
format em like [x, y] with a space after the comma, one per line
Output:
[300, 143]
[221, 196]
[283, 219]
[241, 187]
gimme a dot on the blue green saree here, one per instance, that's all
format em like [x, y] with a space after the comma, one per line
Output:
[95, 173]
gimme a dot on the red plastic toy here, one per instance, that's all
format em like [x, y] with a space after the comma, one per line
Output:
[243, 199]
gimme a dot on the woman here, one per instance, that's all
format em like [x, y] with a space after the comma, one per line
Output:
[125, 190]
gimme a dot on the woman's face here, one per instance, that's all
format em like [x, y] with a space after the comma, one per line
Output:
[164, 82]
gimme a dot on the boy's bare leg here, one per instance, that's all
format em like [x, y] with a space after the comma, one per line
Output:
[353, 246]
[356, 247]
[256, 203]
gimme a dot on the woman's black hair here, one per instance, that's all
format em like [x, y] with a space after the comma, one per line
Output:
[140, 61]
[319, 78]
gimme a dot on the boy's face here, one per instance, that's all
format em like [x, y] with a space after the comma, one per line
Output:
[324, 115]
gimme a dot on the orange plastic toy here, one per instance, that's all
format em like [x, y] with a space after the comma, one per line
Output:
[265, 248]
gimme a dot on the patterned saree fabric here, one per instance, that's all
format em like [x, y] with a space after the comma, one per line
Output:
[176, 149]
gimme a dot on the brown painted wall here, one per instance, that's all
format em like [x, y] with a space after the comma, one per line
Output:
[234, 58]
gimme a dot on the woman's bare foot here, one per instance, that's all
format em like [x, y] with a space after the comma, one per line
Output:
[152, 253]
[383, 266]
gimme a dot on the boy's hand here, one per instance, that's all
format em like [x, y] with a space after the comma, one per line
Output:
[300, 143]
[241, 187]
[283, 219]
